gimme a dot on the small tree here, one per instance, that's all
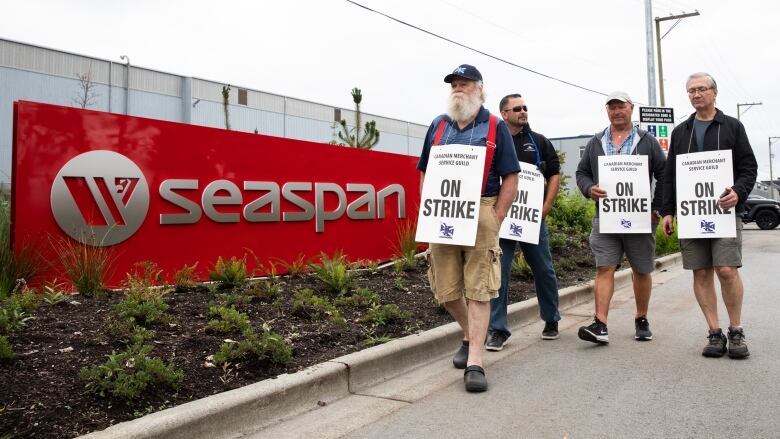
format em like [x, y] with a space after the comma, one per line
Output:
[86, 95]
[370, 135]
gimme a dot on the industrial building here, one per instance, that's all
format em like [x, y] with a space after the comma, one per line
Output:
[34, 73]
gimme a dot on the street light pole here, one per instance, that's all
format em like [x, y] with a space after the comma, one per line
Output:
[746, 105]
[771, 177]
[127, 84]
[658, 37]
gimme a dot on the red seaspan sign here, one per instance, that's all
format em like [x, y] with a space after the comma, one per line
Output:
[175, 193]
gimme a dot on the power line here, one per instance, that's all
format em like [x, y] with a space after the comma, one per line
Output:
[479, 51]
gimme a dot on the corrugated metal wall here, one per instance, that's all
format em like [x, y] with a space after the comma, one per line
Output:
[571, 147]
[44, 75]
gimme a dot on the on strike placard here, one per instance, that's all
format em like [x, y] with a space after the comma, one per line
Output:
[701, 179]
[524, 218]
[449, 204]
[626, 209]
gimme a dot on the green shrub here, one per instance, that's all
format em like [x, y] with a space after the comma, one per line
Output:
[384, 314]
[53, 294]
[405, 246]
[143, 276]
[185, 277]
[86, 263]
[572, 211]
[307, 304]
[296, 267]
[25, 263]
[665, 245]
[520, 266]
[143, 301]
[143, 311]
[361, 298]
[371, 265]
[129, 373]
[266, 346]
[229, 274]
[399, 283]
[230, 321]
[126, 331]
[266, 290]
[16, 309]
[334, 272]
[233, 299]
[6, 353]
[25, 301]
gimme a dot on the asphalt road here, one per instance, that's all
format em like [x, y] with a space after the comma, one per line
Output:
[569, 388]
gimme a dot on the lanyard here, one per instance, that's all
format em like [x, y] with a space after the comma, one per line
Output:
[536, 150]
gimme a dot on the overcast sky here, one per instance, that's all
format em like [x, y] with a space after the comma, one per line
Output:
[318, 50]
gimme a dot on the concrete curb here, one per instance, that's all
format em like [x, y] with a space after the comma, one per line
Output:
[258, 405]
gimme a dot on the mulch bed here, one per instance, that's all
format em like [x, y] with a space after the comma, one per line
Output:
[42, 395]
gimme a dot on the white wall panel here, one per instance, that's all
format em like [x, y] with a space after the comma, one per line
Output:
[44, 75]
[296, 107]
[307, 129]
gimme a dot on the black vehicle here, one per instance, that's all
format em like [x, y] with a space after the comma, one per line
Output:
[765, 212]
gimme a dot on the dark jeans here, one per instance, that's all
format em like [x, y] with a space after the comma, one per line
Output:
[540, 261]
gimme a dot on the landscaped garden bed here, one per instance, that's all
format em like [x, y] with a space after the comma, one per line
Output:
[72, 364]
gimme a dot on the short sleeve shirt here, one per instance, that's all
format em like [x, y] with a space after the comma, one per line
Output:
[504, 160]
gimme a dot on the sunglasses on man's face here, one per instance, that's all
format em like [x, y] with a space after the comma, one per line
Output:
[518, 109]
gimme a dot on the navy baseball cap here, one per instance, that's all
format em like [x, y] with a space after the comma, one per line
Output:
[464, 71]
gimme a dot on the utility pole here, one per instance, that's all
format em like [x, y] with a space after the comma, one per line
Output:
[771, 176]
[658, 37]
[651, 94]
[746, 105]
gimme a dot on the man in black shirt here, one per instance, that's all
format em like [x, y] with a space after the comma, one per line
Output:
[534, 148]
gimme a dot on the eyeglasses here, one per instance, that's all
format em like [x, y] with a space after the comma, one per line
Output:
[700, 90]
[518, 109]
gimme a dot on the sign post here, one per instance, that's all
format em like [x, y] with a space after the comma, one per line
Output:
[658, 121]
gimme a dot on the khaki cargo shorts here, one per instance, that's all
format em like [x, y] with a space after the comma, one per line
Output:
[456, 271]
[712, 252]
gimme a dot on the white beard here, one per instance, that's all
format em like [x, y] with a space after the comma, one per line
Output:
[463, 108]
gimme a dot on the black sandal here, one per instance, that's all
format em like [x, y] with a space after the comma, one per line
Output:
[475, 380]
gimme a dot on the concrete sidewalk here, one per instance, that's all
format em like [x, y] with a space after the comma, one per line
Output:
[569, 388]
[384, 377]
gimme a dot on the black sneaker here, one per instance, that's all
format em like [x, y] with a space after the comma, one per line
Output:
[737, 344]
[461, 356]
[642, 327]
[596, 332]
[496, 341]
[550, 331]
[716, 346]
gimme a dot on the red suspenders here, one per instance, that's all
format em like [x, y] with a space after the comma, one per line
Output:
[490, 145]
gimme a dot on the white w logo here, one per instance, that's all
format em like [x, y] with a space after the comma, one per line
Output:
[100, 194]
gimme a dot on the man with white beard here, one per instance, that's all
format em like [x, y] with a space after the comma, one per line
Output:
[465, 278]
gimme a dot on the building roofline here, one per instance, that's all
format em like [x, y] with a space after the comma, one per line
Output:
[199, 78]
[581, 136]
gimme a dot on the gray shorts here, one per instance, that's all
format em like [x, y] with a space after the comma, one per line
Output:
[639, 248]
[714, 252]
